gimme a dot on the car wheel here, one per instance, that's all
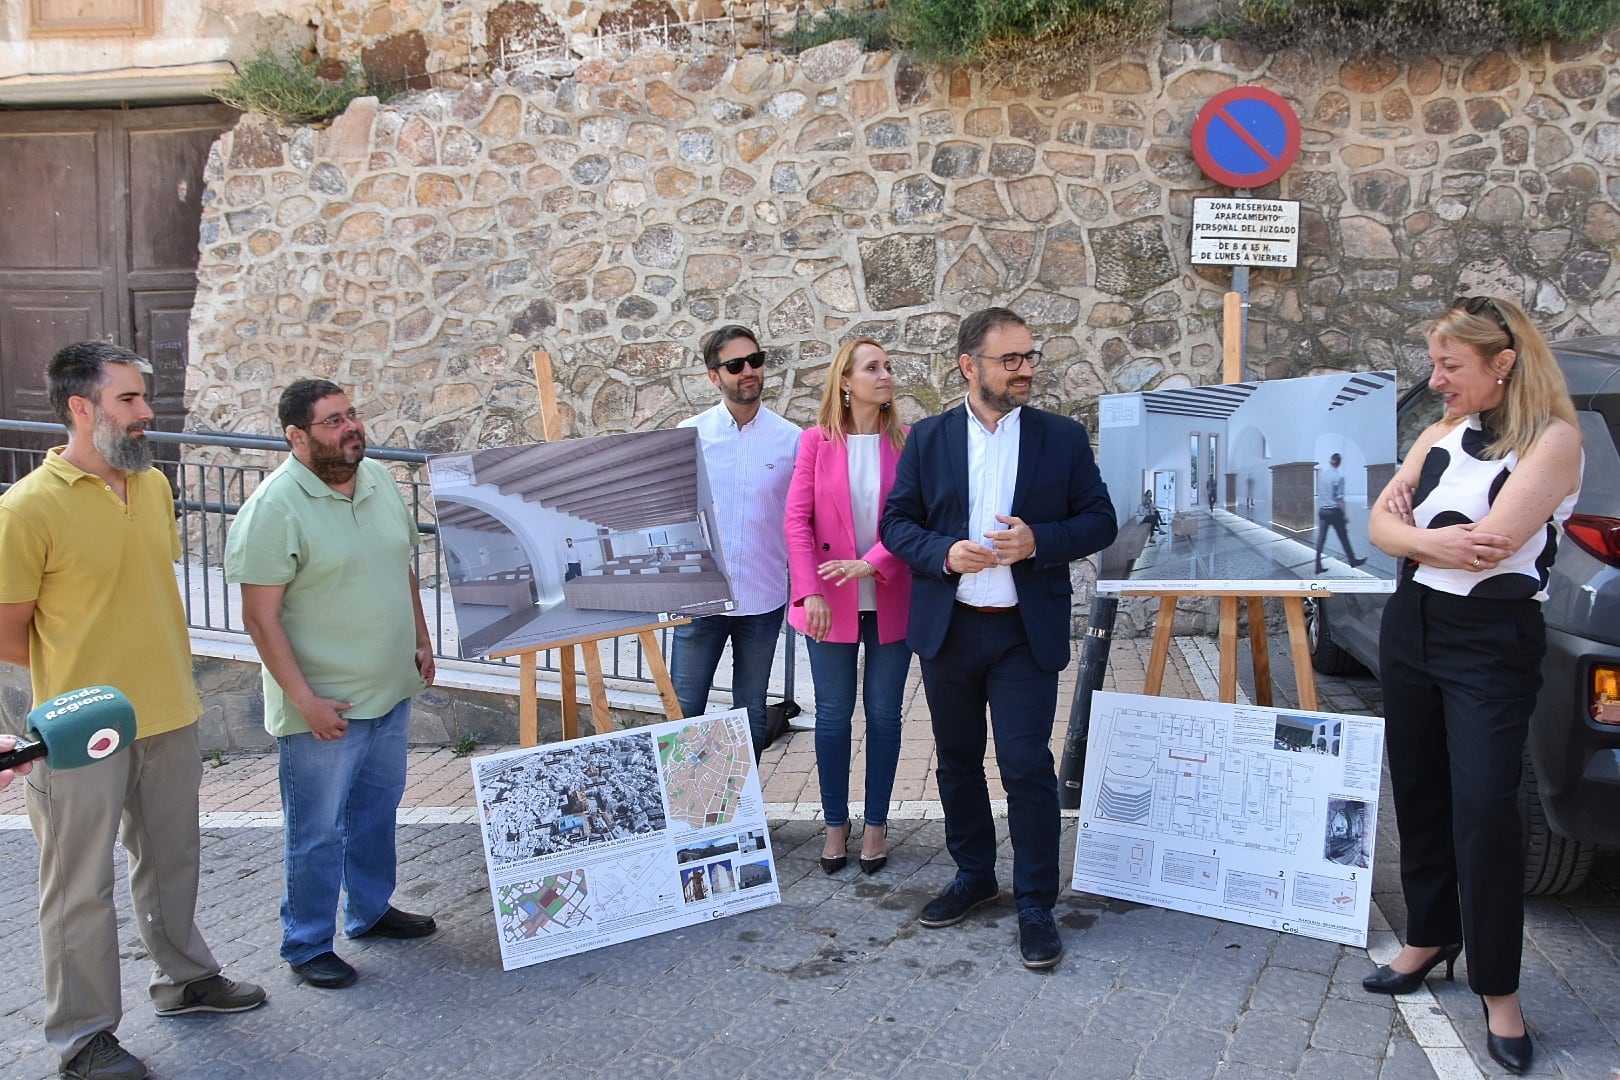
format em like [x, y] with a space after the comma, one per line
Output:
[1326, 656]
[1553, 864]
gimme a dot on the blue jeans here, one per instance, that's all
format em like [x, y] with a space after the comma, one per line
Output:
[696, 655]
[832, 667]
[339, 797]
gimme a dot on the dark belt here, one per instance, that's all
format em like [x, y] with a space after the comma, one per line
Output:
[988, 610]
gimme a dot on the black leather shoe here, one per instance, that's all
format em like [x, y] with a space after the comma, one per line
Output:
[328, 971]
[1386, 980]
[952, 906]
[1357, 562]
[1512, 1053]
[1039, 946]
[400, 924]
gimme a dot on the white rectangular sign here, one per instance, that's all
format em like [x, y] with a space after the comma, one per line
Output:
[1255, 815]
[618, 836]
[1245, 232]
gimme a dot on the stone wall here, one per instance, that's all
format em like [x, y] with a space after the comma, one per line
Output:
[419, 251]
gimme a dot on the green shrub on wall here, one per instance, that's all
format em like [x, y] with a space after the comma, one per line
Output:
[287, 89]
[1458, 26]
[1042, 40]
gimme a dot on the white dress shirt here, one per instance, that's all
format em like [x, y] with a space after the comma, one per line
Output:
[992, 472]
[749, 470]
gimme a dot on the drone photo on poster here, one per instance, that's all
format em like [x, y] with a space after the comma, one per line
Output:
[554, 541]
[1249, 485]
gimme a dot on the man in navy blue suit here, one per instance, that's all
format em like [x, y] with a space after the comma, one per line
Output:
[991, 502]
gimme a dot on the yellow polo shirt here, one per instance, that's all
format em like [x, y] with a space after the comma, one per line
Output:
[100, 572]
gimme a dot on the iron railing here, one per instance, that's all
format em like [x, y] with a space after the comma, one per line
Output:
[210, 492]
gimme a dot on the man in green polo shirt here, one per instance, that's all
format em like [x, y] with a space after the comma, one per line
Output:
[322, 551]
[88, 595]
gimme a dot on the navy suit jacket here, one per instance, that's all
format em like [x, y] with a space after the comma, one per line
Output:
[1059, 494]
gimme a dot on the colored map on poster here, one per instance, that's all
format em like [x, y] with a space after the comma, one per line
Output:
[706, 766]
[556, 903]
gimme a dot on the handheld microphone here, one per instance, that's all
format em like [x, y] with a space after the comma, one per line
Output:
[80, 727]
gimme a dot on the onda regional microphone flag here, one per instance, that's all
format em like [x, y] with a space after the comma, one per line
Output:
[77, 728]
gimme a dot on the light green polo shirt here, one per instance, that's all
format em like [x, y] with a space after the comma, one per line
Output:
[347, 607]
[100, 571]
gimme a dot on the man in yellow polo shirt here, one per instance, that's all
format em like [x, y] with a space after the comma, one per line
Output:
[88, 595]
[322, 551]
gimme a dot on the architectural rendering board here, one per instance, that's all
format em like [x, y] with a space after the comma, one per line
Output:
[618, 836]
[561, 540]
[1254, 815]
[1238, 485]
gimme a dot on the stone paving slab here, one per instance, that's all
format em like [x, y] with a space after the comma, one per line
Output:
[838, 981]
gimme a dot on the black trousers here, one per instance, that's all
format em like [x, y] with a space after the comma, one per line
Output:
[1460, 676]
[985, 663]
[1332, 517]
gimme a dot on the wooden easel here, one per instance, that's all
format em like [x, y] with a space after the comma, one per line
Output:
[1299, 646]
[1298, 643]
[528, 657]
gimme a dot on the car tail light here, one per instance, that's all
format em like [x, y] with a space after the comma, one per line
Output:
[1604, 694]
[1598, 536]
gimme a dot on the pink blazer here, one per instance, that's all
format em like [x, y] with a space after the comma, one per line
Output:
[819, 527]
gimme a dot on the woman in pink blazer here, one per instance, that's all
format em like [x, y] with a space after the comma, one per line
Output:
[848, 591]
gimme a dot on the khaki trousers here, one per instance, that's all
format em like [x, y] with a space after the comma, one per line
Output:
[151, 789]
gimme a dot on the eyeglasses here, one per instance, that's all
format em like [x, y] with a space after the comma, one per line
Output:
[755, 360]
[1014, 360]
[1478, 305]
[337, 420]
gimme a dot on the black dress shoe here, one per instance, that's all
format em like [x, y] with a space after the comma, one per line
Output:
[952, 906]
[1386, 980]
[328, 971]
[400, 924]
[1039, 946]
[1512, 1053]
[1357, 562]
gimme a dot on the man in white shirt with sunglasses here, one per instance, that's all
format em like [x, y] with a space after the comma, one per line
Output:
[748, 452]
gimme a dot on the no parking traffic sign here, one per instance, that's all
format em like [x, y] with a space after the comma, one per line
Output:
[1245, 137]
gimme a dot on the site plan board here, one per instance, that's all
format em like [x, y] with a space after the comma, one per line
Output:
[1255, 815]
[618, 836]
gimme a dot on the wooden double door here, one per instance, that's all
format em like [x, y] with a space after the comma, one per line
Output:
[99, 215]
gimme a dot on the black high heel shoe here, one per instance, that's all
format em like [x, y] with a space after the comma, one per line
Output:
[831, 864]
[873, 865]
[1514, 1053]
[1386, 980]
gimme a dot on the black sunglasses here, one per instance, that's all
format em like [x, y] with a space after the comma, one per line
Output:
[1478, 305]
[755, 360]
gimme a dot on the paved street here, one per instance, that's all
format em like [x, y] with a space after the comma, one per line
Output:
[837, 981]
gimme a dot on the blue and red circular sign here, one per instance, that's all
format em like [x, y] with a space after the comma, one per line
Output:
[1245, 137]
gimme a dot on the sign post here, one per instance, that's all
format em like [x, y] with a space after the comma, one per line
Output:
[1245, 138]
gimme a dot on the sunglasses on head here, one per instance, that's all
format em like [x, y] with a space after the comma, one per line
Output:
[755, 360]
[1479, 305]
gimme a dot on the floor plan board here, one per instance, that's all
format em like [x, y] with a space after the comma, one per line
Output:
[1258, 815]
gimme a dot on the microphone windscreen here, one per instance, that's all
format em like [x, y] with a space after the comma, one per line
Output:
[84, 726]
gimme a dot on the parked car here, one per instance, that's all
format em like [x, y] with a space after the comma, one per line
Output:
[1570, 792]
